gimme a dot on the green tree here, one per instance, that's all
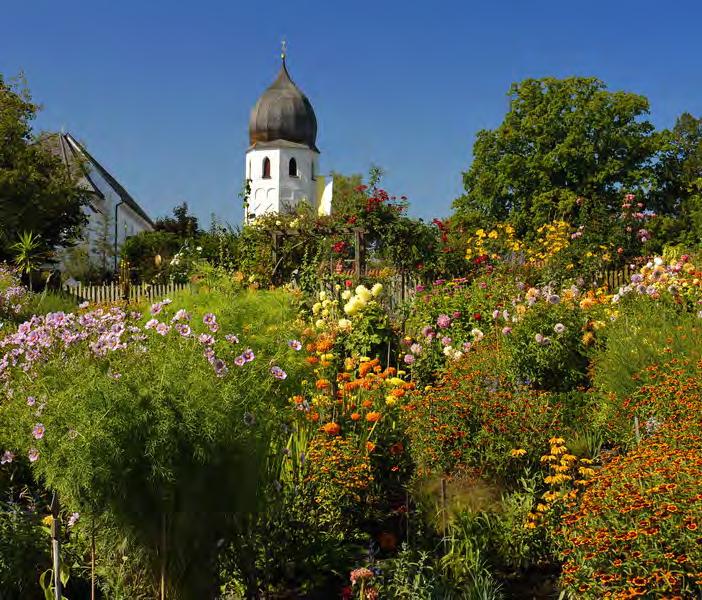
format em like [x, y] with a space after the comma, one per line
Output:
[566, 149]
[677, 195]
[183, 224]
[37, 193]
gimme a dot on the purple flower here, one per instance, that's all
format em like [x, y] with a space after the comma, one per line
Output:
[73, 519]
[420, 288]
[427, 331]
[181, 315]
[636, 278]
[409, 359]
[31, 401]
[559, 328]
[151, 324]
[231, 338]
[162, 329]
[248, 355]
[456, 314]
[156, 308]
[7, 457]
[467, 346]
[183, 329]
[446, 341]
[506, 330]
[443, 321]
[295, 345]
[206, 339]
[239, 361]
[38, 431]
[416, 349]
[539, 338]
[33, 455]
[220, 367]
[554, 299]
[278, 373]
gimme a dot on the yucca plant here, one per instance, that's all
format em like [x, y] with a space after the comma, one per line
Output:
[29, 254]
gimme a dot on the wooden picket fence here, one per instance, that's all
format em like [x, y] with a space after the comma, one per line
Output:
[113, 292]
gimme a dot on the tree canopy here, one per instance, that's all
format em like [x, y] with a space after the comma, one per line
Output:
[182, 223]
[567, 149]
[38, 194]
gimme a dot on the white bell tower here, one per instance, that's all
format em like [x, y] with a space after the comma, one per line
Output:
[282, 162]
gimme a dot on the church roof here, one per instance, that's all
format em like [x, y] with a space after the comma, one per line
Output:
[79, 161]
[283, 113]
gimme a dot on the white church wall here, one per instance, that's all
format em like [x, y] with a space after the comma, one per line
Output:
[281, 192]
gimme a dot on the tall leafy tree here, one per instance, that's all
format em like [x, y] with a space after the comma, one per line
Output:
[677, 194]
[38, 194]
[182, 223]
[566, 149]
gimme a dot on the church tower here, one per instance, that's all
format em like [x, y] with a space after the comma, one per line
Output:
[282, 159]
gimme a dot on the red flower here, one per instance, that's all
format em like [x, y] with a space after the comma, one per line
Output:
[477, 316]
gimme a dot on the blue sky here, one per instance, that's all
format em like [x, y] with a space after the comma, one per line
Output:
[160, 91]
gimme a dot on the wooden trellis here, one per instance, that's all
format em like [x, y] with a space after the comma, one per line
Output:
[359, 250]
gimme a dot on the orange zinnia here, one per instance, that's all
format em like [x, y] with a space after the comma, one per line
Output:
[373, 417]
[355, 416]
[331, 428]
[322, 384]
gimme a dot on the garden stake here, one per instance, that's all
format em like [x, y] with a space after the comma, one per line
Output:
[55, 546]
[443, 511]
[163, 556]
[637, 433]
[92, 561]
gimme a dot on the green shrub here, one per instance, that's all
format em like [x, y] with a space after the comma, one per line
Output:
[545, 348]
[143, 429]
[645, 333]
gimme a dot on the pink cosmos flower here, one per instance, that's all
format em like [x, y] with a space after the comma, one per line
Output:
[151, 324]
[278, 373]
[38, 431]
[206, 339]
[162, 329]
[295, 345]
[33, 455]
[7, 457]
[31, 401]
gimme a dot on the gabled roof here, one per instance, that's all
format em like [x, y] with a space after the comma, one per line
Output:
[75, 156]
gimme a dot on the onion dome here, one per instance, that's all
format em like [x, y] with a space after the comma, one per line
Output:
[284, 113]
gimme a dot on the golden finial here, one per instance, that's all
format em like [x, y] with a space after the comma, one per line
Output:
[283, 49]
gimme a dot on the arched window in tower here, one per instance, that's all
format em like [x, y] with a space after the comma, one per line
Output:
[266, 168]
[292, 168]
